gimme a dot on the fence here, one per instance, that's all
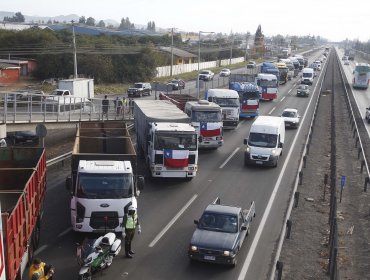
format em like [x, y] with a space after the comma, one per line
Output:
[165, 71]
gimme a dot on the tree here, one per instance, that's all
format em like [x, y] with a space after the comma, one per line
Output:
[90, 21]
[82, 20]
[126, 24]
[151, 26]
[101, 23]
[18, 17]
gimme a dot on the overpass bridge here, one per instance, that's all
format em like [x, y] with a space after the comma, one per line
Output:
[24, 112]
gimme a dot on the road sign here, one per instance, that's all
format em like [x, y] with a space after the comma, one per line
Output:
[342, 182]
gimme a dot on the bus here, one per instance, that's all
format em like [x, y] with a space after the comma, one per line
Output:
[361, 76]
[249, 98]
[267, 85]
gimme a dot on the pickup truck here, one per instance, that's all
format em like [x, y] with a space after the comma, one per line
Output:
[220, 233]
[206, 75]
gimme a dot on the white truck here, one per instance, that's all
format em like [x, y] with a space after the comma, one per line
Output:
[79, 87]
[265, 141]
[228, 100]
[165, 139]
[103, 181]
[206, 118]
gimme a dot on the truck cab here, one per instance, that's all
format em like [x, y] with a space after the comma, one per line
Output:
[206, 118]
[102, 190]
[228, 100]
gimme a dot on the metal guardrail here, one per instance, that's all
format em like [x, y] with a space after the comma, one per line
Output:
[287, 223]
[65, 156]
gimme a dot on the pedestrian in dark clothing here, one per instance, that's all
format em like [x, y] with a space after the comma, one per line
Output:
[130, 223]
[105, 106]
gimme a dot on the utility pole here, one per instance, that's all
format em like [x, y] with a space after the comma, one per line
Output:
[171, 51]
[231, 48]
[74, 51]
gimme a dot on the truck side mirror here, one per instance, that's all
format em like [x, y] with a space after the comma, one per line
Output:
[140, 183]
[280, 145]
[196, 222]
[200, 139]
[69, 183]
[243, 228]
[245, 141]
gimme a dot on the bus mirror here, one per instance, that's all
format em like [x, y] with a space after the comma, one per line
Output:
[200, 139]
[280, 145]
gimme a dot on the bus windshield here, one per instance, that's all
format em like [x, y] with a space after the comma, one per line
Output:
[268, 83]
[362, 69]
[227, 102]
[249, 95]
[206, 116]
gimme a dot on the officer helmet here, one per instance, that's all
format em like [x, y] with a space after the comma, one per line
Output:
[131, 210]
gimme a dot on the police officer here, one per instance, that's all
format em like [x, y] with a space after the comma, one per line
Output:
[130, 223]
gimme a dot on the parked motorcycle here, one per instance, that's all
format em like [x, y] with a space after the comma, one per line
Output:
[97, 254]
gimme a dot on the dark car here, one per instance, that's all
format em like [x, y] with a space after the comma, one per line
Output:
[176, 84]
[220, 233]
[23, 137]
[303, 90]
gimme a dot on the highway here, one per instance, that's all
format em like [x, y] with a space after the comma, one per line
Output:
[167, 208]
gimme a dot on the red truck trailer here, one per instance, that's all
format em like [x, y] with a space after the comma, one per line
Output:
[22, 192]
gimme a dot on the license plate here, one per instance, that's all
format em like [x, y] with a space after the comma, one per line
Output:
[210, 258]
[259, 162]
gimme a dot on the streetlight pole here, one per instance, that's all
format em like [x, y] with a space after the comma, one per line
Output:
[198, 82]
[74, 51]
[231, 48]
[171, 51]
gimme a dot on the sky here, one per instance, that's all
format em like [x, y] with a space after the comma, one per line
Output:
[333, 20]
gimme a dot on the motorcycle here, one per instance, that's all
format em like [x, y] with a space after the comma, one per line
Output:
[367, 115]
[97, 254]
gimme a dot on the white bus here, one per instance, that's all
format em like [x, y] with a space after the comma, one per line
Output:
[361, 75]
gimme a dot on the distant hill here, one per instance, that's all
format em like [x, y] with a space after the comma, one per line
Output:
[61, 18]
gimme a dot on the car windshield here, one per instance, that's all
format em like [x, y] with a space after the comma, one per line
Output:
[204, 72]
[138, 85]
[175, 141]
[100, 185]
[262, 140]
[307, 75]
[206, 116]
[227, 102]
[218, 222]
[289, 114]
[302, 87]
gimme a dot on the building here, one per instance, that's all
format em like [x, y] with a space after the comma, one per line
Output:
[179, 56]
[9, 73]
[259, 42]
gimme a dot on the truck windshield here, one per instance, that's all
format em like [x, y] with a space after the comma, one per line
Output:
[262, 140]
[206, 116]
[175, 141]
[218, 222]
[98, 186]
[227, 102]
[268, 83]
[307, 75]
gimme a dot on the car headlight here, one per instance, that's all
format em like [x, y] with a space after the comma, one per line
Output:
[274, 152]
[193, 248]
[248, 149]
[227, 253]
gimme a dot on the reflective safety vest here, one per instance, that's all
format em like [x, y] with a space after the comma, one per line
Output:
[131, 222]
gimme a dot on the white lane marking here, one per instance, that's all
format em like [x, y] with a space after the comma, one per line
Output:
[273, 109]
[174, 219]
[282, 98]
[261, 226]
[230, 156]
[64, 232]
[39, 250]
[290, 90]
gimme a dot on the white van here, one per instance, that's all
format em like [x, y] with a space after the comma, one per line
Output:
[228, 100]
[265, 141]
[307, 76]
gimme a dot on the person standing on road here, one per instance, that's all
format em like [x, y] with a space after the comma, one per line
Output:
[40, 271]
[130, 223]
